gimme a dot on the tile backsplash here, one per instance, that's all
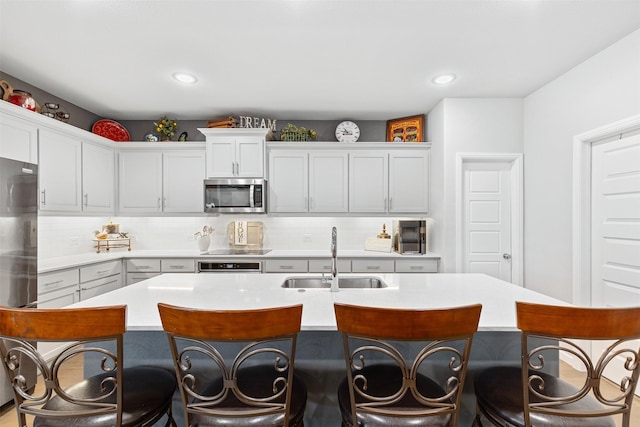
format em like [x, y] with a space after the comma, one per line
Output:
[62, 236]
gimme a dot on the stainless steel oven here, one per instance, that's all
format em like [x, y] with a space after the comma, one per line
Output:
[235, 195]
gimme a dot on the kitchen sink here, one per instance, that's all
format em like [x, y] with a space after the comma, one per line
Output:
[345, 282]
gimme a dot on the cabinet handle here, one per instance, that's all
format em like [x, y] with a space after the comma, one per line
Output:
[53, 283]
[86, 199]
[177, 267]
[386, 205]
[159, 203]
[44, 197]
[373, 267]
[164, 203]
[417, 267]
[286, 267]
[102, 271]
[390, 202]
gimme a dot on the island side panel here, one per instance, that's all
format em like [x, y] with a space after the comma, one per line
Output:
[320, 363]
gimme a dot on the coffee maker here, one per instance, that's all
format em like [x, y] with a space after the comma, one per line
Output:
[411, 237]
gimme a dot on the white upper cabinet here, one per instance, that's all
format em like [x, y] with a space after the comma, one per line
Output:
[288, 181]
[235, 153]
[314, 181]
[363, 178]
[328, 178]
[98, 178]
[18, 139]
[409, 181]
[368, 181]
[157, 181]
[60, 172]
[183, 174]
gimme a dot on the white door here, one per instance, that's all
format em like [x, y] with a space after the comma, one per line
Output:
[615, 228]
[486, 218]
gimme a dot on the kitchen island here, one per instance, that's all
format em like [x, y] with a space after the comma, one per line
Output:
[319, 356]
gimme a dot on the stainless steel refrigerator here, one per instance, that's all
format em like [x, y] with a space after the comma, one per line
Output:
[18, 246]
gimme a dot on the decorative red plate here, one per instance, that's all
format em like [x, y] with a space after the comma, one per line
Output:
[111, 129]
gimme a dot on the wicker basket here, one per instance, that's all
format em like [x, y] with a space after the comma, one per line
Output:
[294, 136]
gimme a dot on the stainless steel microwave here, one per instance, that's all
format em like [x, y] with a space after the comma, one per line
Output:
[235, 195]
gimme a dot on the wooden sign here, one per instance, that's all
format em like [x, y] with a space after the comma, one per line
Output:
[257, 122]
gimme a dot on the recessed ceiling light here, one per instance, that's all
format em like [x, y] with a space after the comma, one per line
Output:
[184, 78]
[443, 79]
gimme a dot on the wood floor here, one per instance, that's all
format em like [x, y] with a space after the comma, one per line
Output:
[8, 416]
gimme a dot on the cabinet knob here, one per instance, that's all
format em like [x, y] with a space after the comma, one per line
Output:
[506, 256]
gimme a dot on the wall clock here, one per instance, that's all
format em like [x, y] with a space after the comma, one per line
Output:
[347, 131]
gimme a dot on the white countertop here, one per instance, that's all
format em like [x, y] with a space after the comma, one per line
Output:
[46, 265]
[254, 290]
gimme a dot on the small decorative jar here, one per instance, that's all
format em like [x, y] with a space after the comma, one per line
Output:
[23, 99]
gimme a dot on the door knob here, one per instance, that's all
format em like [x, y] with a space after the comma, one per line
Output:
[506, 256]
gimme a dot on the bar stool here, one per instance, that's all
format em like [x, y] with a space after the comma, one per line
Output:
[136, 396]
[383, 386]
[526, 396]
[257, 387]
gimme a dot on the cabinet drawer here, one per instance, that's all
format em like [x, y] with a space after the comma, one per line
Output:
[97, 271]
[372, 266]
[286, 266]
[423, 266]
[141, 264]
[48, 282]
[177, 265]
[139, 277]
[99, 287]
[58, 298]
[324, 266]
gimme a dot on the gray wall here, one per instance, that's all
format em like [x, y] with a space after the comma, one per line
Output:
[371, 130]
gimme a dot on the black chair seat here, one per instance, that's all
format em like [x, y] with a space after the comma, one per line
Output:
[384, 380]
[499, 395]
[148, 391]
[255, 381]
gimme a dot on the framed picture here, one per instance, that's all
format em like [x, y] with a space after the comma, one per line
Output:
[406, 129]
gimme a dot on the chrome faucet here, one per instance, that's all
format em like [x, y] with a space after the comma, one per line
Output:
[334, 260]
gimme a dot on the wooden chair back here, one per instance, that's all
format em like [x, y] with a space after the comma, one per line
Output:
[220, 344]
[375, 336]
[20, 328]
[559, 327]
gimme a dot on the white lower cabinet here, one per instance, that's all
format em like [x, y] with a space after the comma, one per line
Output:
[372, 266]
[61, 288]
[417, 266]
[286, 266]
[100, 286]
[324, 266]
[139, 269]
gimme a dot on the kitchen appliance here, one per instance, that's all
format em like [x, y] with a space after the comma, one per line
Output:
[230, 266]
[235, 195]
[18, 248]
[411, 237]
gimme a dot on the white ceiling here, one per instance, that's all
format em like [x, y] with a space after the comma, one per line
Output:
[298, 59]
